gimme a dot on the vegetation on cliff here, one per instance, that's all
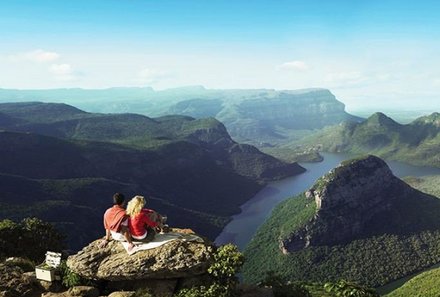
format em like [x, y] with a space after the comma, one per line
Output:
[31, 239]
[404, 236]
[426, 184]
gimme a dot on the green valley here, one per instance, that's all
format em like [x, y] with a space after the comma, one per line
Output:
[63, 164]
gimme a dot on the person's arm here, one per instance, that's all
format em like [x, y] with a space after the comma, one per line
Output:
[108, 236]
[148, 220]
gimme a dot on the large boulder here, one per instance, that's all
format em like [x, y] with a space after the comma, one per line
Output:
[173, 260]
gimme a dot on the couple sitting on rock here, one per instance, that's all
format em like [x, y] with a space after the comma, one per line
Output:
[135, 223]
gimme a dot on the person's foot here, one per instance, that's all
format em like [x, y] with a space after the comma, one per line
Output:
[103, 243]
[130, 246]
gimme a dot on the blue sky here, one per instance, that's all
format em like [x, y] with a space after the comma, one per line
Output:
[366, 52]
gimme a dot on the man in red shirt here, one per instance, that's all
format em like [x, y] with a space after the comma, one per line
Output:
[116, 222]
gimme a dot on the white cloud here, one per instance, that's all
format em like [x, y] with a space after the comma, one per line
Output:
[294, 65]
[38, 56]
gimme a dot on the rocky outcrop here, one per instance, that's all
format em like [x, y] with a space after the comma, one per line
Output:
[354, 200]
[175, 259]
[15, 283]
[159, 270]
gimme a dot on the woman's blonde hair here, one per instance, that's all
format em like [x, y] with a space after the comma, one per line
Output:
[135, 205]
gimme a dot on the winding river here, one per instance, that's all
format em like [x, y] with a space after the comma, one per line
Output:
[254, 212]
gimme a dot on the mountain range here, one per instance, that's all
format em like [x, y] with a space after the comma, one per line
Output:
[415, 143]
[63, 165]
[262, 117]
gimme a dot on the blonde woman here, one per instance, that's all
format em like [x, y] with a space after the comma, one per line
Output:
[143, 222]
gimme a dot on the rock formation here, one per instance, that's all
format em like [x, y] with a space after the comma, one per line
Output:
[353, 200]
[159, 269]
[265, 117]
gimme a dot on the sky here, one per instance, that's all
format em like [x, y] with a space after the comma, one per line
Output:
[368, 53]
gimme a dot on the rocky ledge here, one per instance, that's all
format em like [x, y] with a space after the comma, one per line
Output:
[175, 259]
[160, 271]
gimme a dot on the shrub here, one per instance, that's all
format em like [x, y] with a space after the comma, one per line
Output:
[282, 288]
[344, 288]
[31, 238]
[68, 277]
[227, 263]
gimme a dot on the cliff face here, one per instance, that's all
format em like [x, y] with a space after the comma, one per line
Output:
[353, 200]
[316, 107]
[266, 116]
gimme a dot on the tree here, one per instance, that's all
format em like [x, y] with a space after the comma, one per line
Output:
[281, 288]
[227, 263]
[30, 238]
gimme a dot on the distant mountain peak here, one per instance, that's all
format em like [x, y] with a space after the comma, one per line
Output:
[432, 119]
[379, 118]
[41, 112]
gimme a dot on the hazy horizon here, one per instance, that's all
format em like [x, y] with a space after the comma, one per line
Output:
[408, 111]
[375, 53]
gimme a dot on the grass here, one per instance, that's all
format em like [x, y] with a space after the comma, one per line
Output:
[426, 284]
[426, 184]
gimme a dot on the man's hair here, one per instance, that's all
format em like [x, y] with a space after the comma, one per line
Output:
[118, 198]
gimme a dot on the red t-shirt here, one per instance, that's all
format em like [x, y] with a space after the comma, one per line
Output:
[138, 224]
[113, 217]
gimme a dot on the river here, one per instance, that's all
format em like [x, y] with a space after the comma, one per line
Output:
[254, 212]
